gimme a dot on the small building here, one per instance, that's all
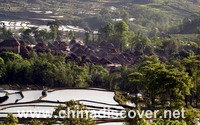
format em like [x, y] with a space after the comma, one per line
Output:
[41, 47]
[63, 46]
[11, 45]
[24, 48]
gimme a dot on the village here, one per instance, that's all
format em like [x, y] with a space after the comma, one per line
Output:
[127, 55]
[106, 54]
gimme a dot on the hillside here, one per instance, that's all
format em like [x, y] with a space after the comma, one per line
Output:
[146, 16]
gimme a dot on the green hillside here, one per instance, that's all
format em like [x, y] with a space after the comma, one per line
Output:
[148, 16]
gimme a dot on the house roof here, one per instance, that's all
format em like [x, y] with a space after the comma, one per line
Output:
[62, 46]
[73, 49]
[113, 50]
[94, 59]
[106, 44]
[72, 42]
[79, 52]
[116, 60]
[23, 50]
[41, 46]
[102, 53]
[103, 43]
[63, 43]
[90, 52]
[92, 46]
[77, 45]
[105, 61]
[71, 57]
[7, 43]
[23, 43]
[52, 47]
[123, 59]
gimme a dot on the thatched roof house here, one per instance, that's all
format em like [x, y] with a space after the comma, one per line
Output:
[11, 45]
[41, 47]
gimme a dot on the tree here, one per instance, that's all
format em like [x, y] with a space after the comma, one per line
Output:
[18, 72]
[10, 120]
[167, 85]
[71, 35]
[26, 35]
[139, 43]
[191, 116]
[54, 26]
[77, 76]
[37, 122]
[42, 34]
[192, 66]
[136, 84]
[75, 114]
[99, 76]
[2, 67]
[44, 73]
[87, 37]
[88, 32]
[10, 56]
[122, 30]
[170, 46]
[105, 15]
[5, 33]
[125, 15]
[168, 122]
[107, 32]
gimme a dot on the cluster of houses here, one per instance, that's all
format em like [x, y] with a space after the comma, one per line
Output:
[105, 54]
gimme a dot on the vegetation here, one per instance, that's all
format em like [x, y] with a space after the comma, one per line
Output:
[10, 120]
[163, 36]
[75, 118]
[148, 16]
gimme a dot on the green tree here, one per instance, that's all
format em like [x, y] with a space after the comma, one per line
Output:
[168, 122]
[164, 84]
[88, 33]
[42, 34]
[44, 73]
[105, 15]
[10, 120]
[37, 122]
[136, 85]
[121, 32]
[10, 56]
[107, 32]
[99, 76]
[77, 76]
[18, 72]
[74, 118]
[5, 33]
[139, 43]
[71, 35]
[2, 67]
[26, 35]
[191, 115]
[170, 47]
[54, 26]
[192, 66]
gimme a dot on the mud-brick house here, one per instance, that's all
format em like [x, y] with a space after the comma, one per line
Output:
[41, 47]
[63, 46]
[11, 45]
